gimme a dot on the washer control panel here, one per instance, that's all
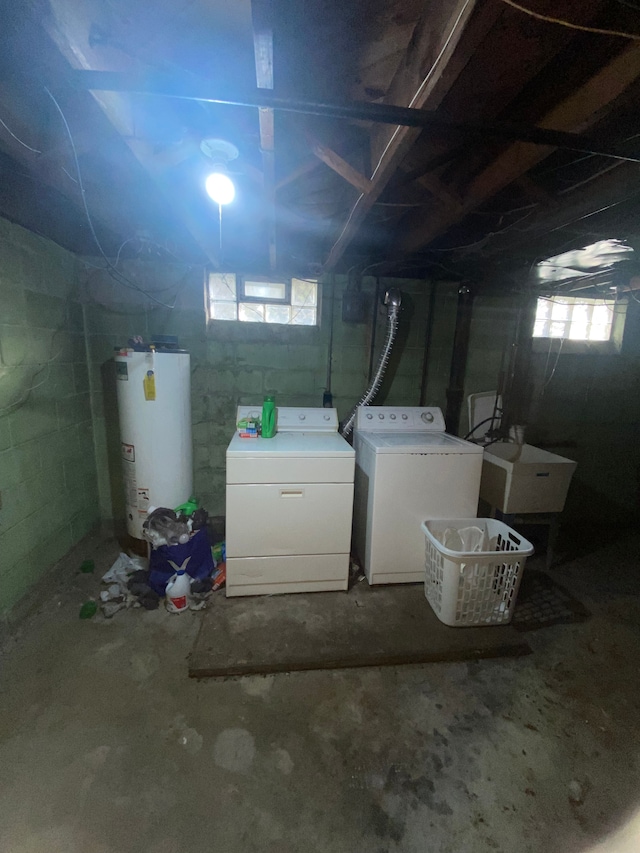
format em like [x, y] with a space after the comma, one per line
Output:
[294, 419]
[399, 419]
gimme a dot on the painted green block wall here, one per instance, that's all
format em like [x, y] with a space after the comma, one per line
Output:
[47, 464]
[235, 363]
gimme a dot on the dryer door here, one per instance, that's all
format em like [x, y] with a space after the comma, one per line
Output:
[283, 519]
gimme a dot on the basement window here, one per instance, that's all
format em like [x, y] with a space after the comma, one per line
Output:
[574, 318]
[254, 299]
[592, 320]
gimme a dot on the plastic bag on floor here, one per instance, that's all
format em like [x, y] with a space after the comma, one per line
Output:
[465, 540]
[121, 570]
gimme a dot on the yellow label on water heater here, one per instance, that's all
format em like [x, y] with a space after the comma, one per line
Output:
[149, 383]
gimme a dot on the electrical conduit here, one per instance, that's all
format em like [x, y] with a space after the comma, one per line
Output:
[393, 300]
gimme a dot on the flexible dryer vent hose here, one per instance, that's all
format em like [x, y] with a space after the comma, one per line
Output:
[393, 300]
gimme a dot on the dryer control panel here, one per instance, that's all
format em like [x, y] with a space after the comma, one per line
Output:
[294, 419]
[399, 419]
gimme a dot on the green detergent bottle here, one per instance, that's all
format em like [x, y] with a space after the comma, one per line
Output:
[269, 417]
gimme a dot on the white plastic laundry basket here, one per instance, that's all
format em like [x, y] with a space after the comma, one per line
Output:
[474, 587]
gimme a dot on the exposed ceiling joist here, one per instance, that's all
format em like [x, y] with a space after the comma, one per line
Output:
[263, 50]
[598, 198]
[535, 192]
[340, 166]
[432, 46]
[576, 113]
[309, 165]
[69, 26]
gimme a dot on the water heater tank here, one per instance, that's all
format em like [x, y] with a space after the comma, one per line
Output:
[154, 402]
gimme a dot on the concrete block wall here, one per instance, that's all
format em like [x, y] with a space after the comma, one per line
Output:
[48, 489]
[235, 363]
[586, 406]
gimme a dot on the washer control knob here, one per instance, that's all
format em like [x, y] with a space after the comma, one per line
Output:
[369, 417]
[405, 417]
[327, 417]
[427, 417]
[393, 417]
[302, 417]
[381, 417]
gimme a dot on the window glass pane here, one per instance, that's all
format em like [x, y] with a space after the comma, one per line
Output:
[265, 289]
[543, 310]
[222, 286]
[303, 317]
[602, 315]
[278, 302]
[224, 311]
[574, 318]
[579, 323]
[559, 310]
[249, 312]
[277, 313]
[304, 293]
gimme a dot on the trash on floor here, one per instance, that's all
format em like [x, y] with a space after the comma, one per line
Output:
[117, 594]
[182, 568]
[178, 593]
[88, 609]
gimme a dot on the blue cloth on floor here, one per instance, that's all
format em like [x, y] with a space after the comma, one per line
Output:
[201, 563]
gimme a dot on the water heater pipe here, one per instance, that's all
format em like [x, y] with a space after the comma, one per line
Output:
[393, 301]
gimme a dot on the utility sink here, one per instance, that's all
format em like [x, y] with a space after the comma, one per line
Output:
[521, 478]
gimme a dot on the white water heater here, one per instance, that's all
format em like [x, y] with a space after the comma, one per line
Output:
[154, 401]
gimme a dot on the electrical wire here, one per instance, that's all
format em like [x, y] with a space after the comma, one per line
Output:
[17, 138]
[581, 27]
[556, 363]
[111, 270]
[497, 416]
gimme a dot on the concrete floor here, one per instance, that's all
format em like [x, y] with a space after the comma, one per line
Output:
[107, 747]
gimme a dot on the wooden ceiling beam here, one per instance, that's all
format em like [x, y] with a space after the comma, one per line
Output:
[340, 166]
[300, 171]
[535, 192]
[263, 51]
[576, 113]
[578, 207]
[69, 25]
[438, 189]
[421, 81]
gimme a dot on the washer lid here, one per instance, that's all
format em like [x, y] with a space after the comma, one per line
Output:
[417, 442]
[292, 444]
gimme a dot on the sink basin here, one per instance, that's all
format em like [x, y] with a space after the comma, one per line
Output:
[521, 478]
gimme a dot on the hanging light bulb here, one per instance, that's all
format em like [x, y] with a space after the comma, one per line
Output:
[218, 184]
[220, 188]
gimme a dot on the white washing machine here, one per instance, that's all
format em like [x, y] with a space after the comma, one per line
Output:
[289, 505]
[408, 469]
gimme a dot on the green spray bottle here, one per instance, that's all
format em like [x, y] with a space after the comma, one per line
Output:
[269, 417]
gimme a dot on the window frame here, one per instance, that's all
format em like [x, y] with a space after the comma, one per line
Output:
[239, 298]
[241, 295]
[573, 346]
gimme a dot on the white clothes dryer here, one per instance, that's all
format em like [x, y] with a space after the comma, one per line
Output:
[289, 505]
